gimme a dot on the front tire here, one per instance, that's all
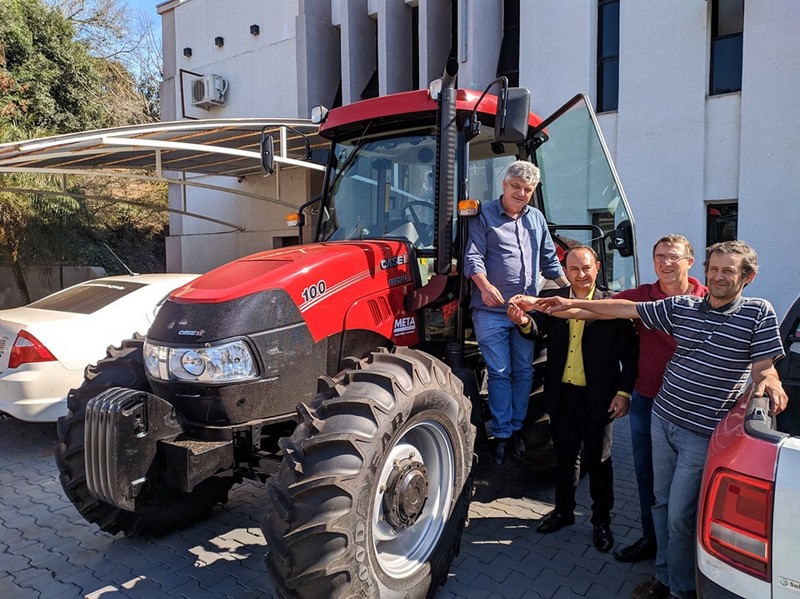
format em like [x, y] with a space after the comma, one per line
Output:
[163, 509]
[374, 489]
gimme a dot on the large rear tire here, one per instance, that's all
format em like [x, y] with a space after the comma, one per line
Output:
[373, 493]
[163, 509]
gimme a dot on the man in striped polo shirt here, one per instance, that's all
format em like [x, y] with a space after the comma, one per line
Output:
[721, 339]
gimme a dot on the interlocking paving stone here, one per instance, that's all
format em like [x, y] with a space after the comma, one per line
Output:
[55, 553]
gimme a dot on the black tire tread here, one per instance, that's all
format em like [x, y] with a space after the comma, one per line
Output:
[316, 486]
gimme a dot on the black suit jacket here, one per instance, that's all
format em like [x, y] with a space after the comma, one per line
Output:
[610, 356]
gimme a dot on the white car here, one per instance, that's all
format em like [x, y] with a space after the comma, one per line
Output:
[45, 346]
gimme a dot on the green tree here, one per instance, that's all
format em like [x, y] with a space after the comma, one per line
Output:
[58, 75]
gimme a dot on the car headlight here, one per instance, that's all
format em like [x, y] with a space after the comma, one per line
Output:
[222, 363]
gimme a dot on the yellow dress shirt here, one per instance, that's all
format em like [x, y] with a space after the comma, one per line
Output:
[574, 374]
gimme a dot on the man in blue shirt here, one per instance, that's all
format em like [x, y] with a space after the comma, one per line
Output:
[508, 245]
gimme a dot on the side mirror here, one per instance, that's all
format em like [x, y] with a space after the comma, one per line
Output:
[622, 239]
[267, 155]
[511, 119]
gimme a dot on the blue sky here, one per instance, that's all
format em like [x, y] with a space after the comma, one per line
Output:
[146, 6]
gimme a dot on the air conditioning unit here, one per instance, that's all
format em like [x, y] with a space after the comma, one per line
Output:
[209, 90]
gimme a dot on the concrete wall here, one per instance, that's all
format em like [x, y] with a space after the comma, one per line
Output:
[42, 282]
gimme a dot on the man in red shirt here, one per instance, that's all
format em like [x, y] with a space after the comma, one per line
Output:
[673, 256]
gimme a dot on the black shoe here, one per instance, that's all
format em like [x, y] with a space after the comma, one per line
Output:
[553, 522]
[640, 550]
[499, 451]
[652, 589]
[603, 539]
[517, 445]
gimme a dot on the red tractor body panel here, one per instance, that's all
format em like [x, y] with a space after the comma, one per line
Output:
[336, 286]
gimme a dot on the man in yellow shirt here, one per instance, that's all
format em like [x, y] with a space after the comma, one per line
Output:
[591, 369]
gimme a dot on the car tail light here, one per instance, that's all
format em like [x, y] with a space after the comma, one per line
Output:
[737, 520]
[26, 349]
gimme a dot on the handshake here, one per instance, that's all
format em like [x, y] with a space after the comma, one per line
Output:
[519, 305]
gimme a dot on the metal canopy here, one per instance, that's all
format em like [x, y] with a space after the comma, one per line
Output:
[228, 147]
[178, 152]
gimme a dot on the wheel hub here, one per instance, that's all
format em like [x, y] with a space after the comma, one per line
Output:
[406, 493]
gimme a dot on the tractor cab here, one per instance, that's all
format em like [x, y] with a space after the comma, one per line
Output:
[392, 174]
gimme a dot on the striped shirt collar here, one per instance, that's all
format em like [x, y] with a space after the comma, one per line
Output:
[728, 308]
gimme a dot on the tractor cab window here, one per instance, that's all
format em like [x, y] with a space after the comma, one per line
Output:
[383, 187]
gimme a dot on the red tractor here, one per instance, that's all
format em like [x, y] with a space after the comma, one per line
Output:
[341, 371]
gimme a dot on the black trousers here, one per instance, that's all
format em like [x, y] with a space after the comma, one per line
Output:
[573, 426]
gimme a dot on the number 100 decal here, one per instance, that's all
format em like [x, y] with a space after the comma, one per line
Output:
[313, 291]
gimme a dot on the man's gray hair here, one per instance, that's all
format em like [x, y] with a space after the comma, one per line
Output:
[524, 170]
[738, 247]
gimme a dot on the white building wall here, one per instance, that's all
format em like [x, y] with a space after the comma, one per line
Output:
[661, 120]
[769, 160]
[676, 148]
[262, 73]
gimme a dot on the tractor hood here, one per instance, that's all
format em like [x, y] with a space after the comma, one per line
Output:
[329, 286]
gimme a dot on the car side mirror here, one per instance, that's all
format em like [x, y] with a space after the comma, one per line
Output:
[511, 119]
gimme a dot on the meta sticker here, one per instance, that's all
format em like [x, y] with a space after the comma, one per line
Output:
[404, 326]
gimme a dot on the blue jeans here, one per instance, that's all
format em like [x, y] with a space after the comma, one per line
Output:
[509, 362]
[639, 418]
[678, 459]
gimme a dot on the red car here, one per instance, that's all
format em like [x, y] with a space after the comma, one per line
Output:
[748, 529]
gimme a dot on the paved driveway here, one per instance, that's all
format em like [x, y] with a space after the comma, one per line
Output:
[47, 550]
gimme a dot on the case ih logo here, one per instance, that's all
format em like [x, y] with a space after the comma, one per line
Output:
[394, 261]
[404, 326]
[191, 332]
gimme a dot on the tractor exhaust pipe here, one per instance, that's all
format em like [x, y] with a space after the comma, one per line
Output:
[446, 168]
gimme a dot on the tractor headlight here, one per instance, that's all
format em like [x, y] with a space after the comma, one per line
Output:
[224, 363]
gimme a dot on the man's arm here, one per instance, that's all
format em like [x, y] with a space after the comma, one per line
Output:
[767, 382]
[607, 308]
[563, 307]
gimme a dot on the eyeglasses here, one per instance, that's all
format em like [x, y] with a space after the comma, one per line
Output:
[668, 257]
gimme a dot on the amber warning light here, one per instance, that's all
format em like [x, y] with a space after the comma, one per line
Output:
[469, 207]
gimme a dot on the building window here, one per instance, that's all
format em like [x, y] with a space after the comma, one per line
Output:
[727, 22]
[721, 222]
[607, 55]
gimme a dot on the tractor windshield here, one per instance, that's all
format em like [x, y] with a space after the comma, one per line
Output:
[382, 186]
